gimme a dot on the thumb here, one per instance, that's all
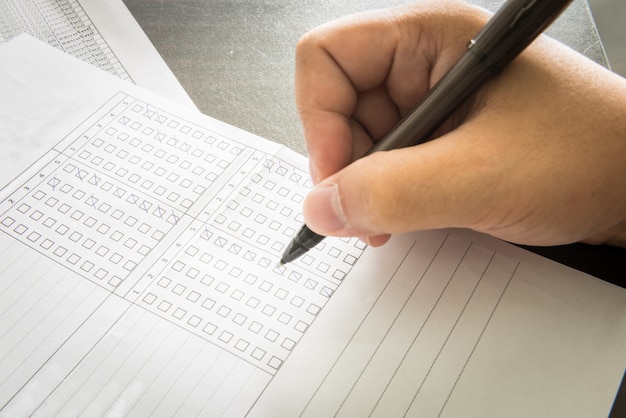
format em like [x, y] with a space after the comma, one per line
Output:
[421, 187]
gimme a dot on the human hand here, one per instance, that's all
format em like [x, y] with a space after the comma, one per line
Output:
[537, 157]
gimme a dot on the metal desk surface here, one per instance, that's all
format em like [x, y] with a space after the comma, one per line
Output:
[235, 58]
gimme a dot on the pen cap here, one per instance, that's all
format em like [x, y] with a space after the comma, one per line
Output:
[514, 26]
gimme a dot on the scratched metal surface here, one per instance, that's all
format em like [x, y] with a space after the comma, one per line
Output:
[235, 58]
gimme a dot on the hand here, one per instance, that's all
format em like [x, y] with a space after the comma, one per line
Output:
[537, 157]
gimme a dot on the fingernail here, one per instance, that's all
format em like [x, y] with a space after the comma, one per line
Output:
[313, 173]
[323, 210]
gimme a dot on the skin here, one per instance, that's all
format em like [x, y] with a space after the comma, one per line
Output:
[537, 157]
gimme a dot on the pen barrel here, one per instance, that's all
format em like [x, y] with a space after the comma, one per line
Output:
[514, 26]
[418, 126]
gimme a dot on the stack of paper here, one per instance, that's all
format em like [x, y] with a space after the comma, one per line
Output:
[138, 277]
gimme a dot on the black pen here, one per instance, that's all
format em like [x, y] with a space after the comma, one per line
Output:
[509, 31]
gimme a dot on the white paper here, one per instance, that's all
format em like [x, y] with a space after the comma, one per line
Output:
[101, 33]
[137, 277]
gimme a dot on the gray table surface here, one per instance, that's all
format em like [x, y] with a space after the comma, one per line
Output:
[235, 58]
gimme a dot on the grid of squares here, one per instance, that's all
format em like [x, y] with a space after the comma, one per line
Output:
[88, 222]
[93, 209]
[233, 294]
[265, 212]
[143, 143]
[50, 21]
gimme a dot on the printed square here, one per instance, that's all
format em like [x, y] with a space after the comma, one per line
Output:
[192, 273]
[75, 236]
[164, 282]
[87, 266]
[242, 345]
[194, 321]
[235, 272]
[326, 291]
[101, 273]
[46, 244]
[250, 279]
[271, 335]
[310, 284]
[207, 280]
[295, 276]
[149, 298]
[313, 309]
[339, 274]
[274, 225]
[239, 319]
[179, 289]
[284, 318]
[225, 336]
[264, 262]
[130, 243]
[257, 354]
[255, 327]
[90, 222]
[222, 287]
[301, 326]
[297, 301]
[191, 250]
[268, 310]
[208, 303]
[115, 281]
[253, 302]
[64, 208]
[281, 294]
[8, 221]
[237, 295]
[106, 186]
[179, 313]
[209, 328]
[178, 266]
[73, 258]
[288, 344]
[266, 286]
[323, 267]
[164, 306]
[193, 296]
[38, 195]
[144, 250]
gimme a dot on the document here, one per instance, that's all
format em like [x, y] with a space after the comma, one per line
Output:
[101, 33]
[139, 277]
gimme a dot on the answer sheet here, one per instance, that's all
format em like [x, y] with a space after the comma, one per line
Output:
[101, 33]
[138, 277]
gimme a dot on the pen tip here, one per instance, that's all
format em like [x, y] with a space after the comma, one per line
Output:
[279, 264]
